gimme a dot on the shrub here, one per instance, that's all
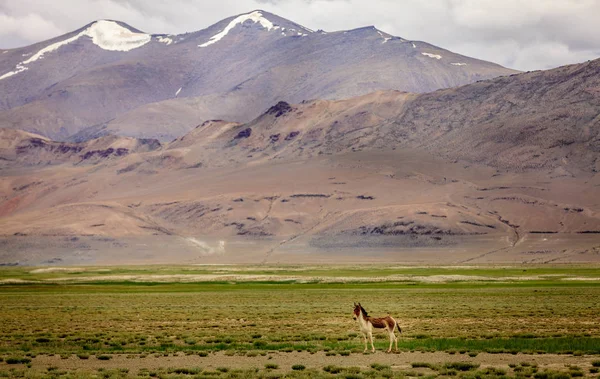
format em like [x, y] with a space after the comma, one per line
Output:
[379, 366]
[83, 356]
[16, 361]
[551, 375]
[461, 366]
[298, 367]
[103, 357]
[271, 366]
[422, 364]
[492, 371]
[185, 371]
[333, 369]
[596, 363]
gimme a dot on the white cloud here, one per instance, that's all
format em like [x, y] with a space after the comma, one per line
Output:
[533, 34]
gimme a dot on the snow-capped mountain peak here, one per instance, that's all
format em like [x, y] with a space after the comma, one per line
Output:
[106, 34]
[257, 17]
[110, 35]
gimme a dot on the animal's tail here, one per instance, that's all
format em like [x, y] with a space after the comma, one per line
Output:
[398, 326]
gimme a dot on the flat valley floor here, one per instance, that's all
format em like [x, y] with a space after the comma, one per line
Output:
[295, 321]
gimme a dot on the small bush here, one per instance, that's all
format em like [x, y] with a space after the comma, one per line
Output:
[16, 361]
[42, 340]
[203, 353]
[492, 371]
[271, 366]
[103, 357]
[596, 363]
[83, 356]
[461, 366]
[298, 367]
[423, 364]
[222, 369]
[333, 369]
[551, 375]
[186, 371]
[379, 366]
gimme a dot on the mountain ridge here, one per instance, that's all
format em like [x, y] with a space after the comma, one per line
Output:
[75, 84]
[498, 171]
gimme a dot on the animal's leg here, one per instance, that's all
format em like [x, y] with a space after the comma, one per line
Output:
[371, 338]
[365, 338]
[392, 336]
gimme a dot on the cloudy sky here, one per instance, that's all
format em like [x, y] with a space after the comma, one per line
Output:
[521, 34]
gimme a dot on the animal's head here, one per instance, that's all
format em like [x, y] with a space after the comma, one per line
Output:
[357, 309]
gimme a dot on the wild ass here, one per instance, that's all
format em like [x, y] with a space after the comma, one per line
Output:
[366, 324]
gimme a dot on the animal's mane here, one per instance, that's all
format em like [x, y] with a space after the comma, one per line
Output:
[364, 312]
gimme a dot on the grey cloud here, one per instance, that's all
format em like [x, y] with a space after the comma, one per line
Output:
[533, 34]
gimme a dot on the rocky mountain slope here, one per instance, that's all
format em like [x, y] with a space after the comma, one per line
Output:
[503, 170]
[109, 77]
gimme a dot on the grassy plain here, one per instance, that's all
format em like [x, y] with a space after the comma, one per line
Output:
[50, 318]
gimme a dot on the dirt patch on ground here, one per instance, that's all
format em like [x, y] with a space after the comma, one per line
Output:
[317, 360]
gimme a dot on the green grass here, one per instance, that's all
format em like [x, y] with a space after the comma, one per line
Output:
[546, 315]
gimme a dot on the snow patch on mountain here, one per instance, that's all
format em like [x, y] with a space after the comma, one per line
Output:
[458, 64]
[436, 56]
[385, 39]
[255, 16]
[19, 68]
[108, 35]
[166, 40]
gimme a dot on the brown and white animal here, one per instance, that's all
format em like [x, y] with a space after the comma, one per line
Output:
[366, 324]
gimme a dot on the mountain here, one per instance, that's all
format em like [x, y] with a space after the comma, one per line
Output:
[109, 77]
[500, 171]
